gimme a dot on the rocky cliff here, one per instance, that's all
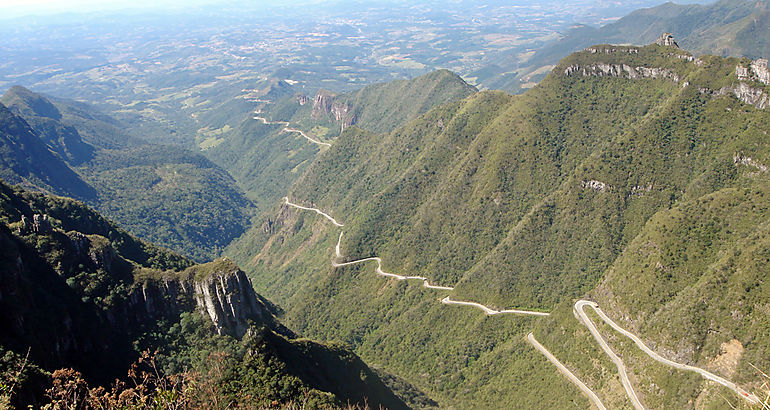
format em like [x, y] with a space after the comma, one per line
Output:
[326, 104]
[73, 299]
[675, 66]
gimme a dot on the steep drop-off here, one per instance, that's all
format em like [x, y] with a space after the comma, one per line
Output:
[77, 291]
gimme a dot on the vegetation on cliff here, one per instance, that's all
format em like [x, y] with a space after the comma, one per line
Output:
[81, 295]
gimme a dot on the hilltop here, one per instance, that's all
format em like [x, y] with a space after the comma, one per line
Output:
[726, 28]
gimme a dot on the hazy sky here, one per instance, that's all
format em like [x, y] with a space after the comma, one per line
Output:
[17, 8]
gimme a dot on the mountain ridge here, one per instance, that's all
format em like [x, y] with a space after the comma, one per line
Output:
[557, 184]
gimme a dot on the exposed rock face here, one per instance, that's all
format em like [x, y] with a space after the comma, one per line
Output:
[230, 302]
[39, 224]
[50, 305]
[224, 295]
[595, 185]
[759, 68]
[621, 70]
[749, 95]
[610, 50]
[326, 104]
[666, 39]
[745, 160]
[756, 71]
[302, 99]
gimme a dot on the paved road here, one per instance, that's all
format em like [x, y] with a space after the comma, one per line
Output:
[337, 248]
[316, 210]
[287, 129]
[490, 311]
[380, 272]
[565, 371]
[580, 314]
[581, 304]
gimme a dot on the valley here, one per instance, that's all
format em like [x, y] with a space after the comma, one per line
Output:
[388, 205]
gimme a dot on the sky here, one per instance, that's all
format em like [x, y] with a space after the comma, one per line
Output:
[19, 8]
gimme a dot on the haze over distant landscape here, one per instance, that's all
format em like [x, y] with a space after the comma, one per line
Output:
[391, 204]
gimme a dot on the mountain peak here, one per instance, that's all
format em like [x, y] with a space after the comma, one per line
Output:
[26, 102]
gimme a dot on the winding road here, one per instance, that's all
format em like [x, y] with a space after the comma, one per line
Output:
[380, 272]
[579, 307]
[580, 314]
[565, 371]
[316, 210]
[489, 311]
[287, 129]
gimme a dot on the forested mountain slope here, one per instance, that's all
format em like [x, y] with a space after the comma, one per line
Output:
[534, 201]
[166, 194]
[77, 291]
[25, 159]
[267, 152]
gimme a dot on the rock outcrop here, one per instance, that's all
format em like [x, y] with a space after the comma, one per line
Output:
[666, 39]
[326, 104]
[76, 301]
[302, 99]
[229, 300]
[621, 70]
[756, 71]
[219, 290]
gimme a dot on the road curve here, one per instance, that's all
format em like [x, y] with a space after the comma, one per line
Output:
[489, 311]
[565, 371]
[287, 129]
[581, 304]
[380, 272]
[583, 318]
[580, 314]
[314, 141]
[316, 210]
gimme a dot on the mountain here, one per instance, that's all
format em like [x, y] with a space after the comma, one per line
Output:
[632, 176]
[45, 119]
[386, 106]
[29, 161]
[77, 291]
[167, 194]
[726, 27]
[265, 158]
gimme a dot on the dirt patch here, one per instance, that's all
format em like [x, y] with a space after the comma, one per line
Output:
[727, 360]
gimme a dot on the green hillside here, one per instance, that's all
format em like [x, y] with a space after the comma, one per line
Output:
[532, 202]
[26, 160]
[266, 160]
